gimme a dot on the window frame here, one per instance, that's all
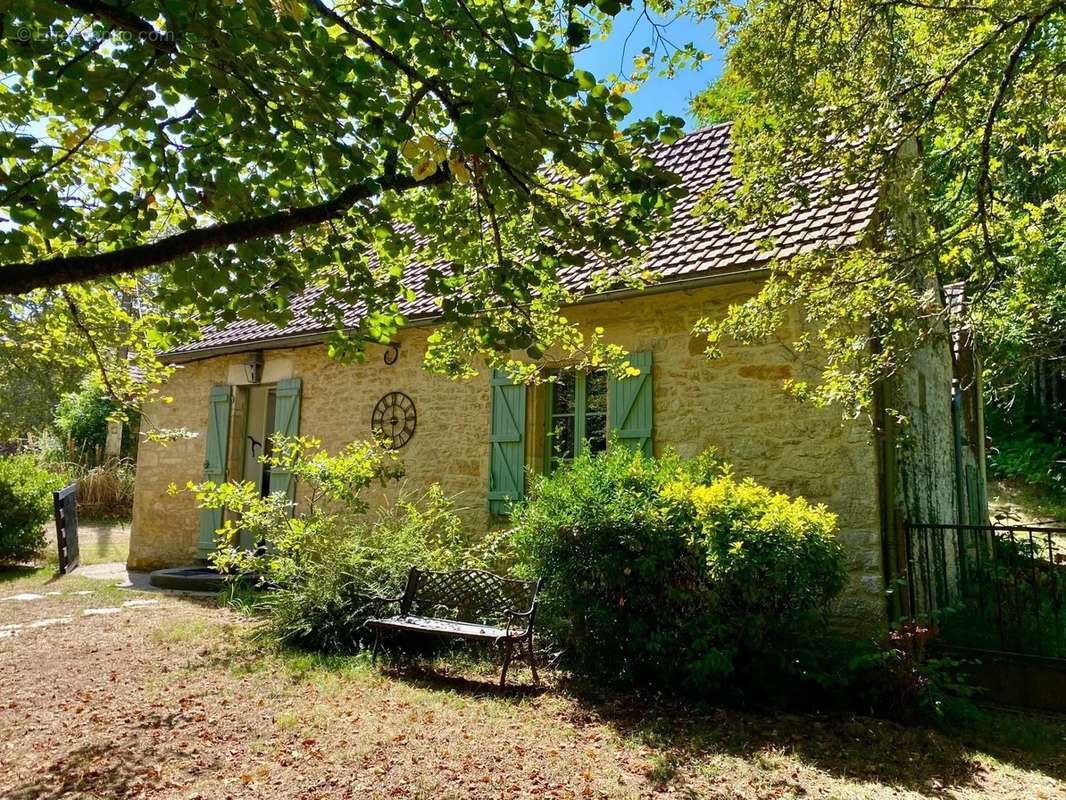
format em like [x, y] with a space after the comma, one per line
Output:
[579, 415]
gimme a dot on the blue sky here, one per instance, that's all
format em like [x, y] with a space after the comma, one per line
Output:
[603, 58]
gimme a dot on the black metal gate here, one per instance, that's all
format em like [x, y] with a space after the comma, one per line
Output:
[990, 588]
[66, 510]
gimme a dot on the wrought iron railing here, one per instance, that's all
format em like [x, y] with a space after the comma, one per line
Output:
[992, 588]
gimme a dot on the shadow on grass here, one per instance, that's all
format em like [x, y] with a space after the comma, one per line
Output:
[126, 767]
[46, 573]
[859, 748]
[11, 574]
[437, 676]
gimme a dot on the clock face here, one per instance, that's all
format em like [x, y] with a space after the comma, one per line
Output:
[394, 419]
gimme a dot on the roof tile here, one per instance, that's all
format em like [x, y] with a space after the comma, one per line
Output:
[691, 248]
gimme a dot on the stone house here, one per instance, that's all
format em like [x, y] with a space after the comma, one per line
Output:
[481, 438]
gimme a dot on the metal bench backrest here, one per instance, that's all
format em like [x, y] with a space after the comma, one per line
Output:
[467, 595]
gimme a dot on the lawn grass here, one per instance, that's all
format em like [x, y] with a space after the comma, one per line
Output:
[179, 701]
[43, 578]
[100, 541]
[675, 747]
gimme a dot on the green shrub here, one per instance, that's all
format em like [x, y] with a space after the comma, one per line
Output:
[49, 451]
[1028, 443]
[81, 416]
[904, 680]
[326, 603]
[104, 490]
[674, 574]
[25, 507]
[324, 564]
[773, 563]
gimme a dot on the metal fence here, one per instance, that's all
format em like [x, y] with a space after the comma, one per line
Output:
[991, 588]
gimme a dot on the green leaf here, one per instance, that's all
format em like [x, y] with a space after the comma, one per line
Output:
[577, 34]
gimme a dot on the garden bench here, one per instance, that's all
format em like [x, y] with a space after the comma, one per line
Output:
[467, 604]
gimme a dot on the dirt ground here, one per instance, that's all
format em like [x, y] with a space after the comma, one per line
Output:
[108, 693]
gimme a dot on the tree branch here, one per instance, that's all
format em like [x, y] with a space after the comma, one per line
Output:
[339, 19]
[26, 276]
[19, 188]
[75, 316]
[127, 21]
[92, 48]
[439, 90]
[984, 176]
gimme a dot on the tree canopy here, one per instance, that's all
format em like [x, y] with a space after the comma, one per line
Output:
[960, 108]
[212, 158]
[241, 152]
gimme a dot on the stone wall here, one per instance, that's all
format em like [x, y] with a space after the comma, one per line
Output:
[930, 484]
[165, 524]
[926, 439]
[734, 403]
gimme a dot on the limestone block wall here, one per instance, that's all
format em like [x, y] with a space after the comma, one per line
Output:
[734, 403]
[926, 490]
[166, 525]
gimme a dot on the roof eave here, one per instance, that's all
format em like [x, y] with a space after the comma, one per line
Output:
[307, 339]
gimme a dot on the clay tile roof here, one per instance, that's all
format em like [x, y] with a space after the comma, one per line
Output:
[691, 249]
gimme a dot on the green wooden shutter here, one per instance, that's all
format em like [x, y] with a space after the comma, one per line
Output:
[630, 405]
[507, 437]
[286, 423]
[217, 450]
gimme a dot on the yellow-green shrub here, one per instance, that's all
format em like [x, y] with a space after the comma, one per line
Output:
[773, 563]
[666, 572]
[322, 562]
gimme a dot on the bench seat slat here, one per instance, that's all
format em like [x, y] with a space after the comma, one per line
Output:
[444, 627]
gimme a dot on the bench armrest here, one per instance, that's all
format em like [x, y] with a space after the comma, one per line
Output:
[517, 617]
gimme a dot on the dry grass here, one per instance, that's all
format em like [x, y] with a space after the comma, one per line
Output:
[106, 490]
[174, 701]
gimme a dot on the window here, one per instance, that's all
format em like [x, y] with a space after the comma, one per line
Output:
[565, 416]
[576, 416]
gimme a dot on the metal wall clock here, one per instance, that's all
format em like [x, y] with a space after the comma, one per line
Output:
[394, 419]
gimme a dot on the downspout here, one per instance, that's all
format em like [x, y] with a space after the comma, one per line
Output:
[891, 522]
[979, 445]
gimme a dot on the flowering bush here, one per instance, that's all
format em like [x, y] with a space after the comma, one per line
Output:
[898, 676]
